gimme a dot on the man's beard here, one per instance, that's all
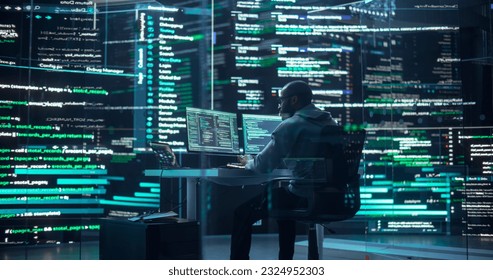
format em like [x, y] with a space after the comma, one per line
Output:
[286, 113]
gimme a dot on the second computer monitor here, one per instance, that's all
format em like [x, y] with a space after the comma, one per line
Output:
[257, 130]
[212, 131]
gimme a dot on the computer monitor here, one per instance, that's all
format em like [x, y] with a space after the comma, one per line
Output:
[257, 130]
[212, 131]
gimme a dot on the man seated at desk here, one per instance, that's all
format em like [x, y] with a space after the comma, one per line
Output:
[302, 121]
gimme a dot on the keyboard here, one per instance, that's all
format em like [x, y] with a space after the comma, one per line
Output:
[153, 216]
[235, 165]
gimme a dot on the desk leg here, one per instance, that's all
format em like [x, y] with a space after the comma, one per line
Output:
[192, 199]
[320, 241]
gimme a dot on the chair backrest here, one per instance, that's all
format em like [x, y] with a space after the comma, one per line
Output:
[337, 196]
[348, 166]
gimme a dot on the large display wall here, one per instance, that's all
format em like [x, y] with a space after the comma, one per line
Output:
[86, 85]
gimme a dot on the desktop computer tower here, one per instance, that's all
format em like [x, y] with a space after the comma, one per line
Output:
[125, 240]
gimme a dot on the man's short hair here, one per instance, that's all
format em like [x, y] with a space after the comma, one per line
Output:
[300, 89]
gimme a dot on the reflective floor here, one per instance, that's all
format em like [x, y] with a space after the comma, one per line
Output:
[264, 247]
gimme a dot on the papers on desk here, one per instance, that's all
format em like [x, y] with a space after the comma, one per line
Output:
[158, 216]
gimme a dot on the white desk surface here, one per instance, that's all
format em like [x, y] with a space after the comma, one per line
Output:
[223, 176]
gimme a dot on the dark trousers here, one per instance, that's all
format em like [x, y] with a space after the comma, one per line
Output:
[255, 209]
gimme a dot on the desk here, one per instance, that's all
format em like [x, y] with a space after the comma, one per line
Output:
[227, 177]
[221, 176]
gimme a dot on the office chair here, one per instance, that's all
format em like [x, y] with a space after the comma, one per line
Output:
[329, 184]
